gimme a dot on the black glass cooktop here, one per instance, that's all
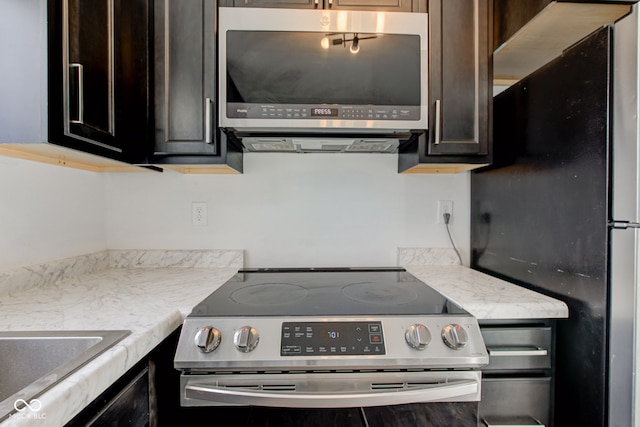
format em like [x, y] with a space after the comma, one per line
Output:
[324, 292]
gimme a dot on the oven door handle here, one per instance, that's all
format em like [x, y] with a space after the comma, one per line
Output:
[455, 390]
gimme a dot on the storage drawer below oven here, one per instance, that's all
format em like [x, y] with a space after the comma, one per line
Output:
[517, 348]
[515, 402]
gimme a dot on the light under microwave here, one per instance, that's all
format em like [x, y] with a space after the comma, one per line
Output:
[322, 70]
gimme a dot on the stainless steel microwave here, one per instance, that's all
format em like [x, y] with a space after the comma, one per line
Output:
[322, 70]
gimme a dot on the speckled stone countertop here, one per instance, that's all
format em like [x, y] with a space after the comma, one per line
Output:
[150, 293]
[147, 292]
[484, 296]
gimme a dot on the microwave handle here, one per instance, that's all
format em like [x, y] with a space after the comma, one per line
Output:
[438, 131]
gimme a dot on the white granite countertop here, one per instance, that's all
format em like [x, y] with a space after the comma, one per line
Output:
[487, 297]
[150, 301]
[150, 292]
[484, 296]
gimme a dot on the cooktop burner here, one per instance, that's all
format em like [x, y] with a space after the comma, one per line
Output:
[329, 292]
[269, 294]
[368, 293]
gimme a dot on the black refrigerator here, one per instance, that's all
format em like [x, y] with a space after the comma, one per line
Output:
[557, 213]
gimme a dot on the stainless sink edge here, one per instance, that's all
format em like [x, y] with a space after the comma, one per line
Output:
[18, 401]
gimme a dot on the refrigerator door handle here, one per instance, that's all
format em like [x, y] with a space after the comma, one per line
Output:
[623, 225]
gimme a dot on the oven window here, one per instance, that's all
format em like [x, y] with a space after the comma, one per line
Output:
[283, 67]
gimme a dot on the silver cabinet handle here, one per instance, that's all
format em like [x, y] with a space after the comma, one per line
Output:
[426, 393]
[517, 351]
[208, 130]
[80, 119]
[437, 131]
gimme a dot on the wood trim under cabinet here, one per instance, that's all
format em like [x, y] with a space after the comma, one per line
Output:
[442, 168]
[62, 156]
[201, 169]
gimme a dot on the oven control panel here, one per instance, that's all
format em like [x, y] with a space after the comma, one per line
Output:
[289, 343]
[332, 338]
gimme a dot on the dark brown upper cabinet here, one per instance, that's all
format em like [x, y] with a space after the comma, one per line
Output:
[99, 77]
[186, 134]
[460, 90]
[78, 94]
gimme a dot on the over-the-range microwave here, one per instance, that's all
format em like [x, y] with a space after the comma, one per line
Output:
[322, 71]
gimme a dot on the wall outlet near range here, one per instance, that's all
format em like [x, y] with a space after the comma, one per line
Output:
[445, 206]
[198, 213]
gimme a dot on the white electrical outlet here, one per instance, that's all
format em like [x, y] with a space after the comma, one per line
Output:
[445, 206]
[198, 213]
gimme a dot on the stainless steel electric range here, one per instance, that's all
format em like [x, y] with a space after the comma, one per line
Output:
[328, 338]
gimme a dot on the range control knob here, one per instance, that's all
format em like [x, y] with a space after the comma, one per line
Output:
[454, 336]
[208, 339]
[417, 336]
[246, 339]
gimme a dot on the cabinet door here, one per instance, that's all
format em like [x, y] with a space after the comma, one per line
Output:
[185, 77]
[88, 71]
[125, 403]
[515, 401]
[459, 91]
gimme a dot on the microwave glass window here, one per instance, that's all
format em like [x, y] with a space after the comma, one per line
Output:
[317, 68]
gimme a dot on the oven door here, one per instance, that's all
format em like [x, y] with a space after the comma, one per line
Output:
[330, 390]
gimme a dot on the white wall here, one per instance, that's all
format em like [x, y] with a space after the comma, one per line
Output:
[48, 212]
[285, 210]
[291, 210]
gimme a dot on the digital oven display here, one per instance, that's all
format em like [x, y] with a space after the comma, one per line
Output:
[324, 112]
[331, 338]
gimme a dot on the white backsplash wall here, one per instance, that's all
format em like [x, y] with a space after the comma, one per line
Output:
[291, 210]
[48, 212]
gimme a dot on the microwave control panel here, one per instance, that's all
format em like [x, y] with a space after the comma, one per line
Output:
[322, 112]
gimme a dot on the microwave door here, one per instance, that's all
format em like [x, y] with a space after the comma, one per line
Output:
[318, 79]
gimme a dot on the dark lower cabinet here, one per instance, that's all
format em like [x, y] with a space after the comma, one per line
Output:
[517, 382]
[125, 403]
[147, 395]
[516, 401]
